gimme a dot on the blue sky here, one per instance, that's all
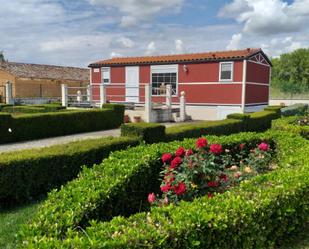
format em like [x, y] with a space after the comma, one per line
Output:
[75, 33]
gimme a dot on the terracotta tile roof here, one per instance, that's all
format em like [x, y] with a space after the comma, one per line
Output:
[178, 58]
[38, 71]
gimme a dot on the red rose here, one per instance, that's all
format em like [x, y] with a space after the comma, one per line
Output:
[224, 177]
[180, 151]
[176, 162]
[213, 184]
[165, 188]
[189, 152]
[201, 142]
[210, 195]
[215, 149]
[167, 157]
[180, 188]
[151, 198]
[168, 178]
[263, 146]
[241, 146]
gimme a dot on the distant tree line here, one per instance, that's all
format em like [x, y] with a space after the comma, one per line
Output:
[2, 59]
[290, 72]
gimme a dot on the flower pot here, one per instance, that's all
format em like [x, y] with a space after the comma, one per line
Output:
[137, 119]
[126, 119]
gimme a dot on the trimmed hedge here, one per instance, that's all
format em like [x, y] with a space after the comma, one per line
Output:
[290, 124]
[34, 126]
[32, 108]
[294, 110]
[258, 214]
[148, 132]
[29, 173]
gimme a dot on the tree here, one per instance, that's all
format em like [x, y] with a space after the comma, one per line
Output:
[1, 57]
[290, 72]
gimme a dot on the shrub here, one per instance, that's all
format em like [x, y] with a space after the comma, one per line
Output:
[240, 116]
[291, 124]
[30, 173]
[23, 109]
[149, 132]
[34, 126]
[260, 121]
[274, 108]
[294, 110]
[258, 214]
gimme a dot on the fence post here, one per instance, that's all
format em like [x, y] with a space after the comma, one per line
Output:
[79, 96]
[9, 93]
[64, 95]
[168, 101]
[148, 105]
[89, 94]
[102, 95]
[182, 107]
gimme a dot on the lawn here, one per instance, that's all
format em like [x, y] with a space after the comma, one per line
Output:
[10, 222]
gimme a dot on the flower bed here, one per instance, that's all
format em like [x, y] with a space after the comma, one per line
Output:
[208, 169]
[254, 215]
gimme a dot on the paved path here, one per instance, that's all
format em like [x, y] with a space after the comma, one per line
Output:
[65, 139]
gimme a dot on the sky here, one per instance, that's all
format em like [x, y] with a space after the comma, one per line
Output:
[78, 32]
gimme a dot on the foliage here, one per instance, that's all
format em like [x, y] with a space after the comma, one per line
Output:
[190, 173]
[291, 124]
[2, 59]
[294, 110]
[30, 173]
[260, 213]
[291, 72]
[41, 125]
[148, 132]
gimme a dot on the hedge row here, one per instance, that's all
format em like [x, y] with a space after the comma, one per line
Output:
[294, 110]
[259, 213]
[290, 124]
[34, 126]
[32, 108]
[30, 173]
[258, 121]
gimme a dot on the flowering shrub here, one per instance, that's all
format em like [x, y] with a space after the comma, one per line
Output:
[208, 169]
[303, 121]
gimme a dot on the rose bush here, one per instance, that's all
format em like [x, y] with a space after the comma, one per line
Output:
[209, 169]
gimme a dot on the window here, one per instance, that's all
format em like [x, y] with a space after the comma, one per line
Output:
[106, 75]
[164, 75]
[226, 71]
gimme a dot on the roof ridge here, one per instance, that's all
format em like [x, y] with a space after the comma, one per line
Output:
[37, 64]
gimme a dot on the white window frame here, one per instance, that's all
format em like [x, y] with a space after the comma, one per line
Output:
[170, 68]
[108, 70]
[232, 71]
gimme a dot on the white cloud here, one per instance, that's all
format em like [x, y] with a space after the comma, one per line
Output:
[126, 42]
[234, 42]
[151, 48]
[115, 54]
[179, 46]
[135, 11]
[268, 16]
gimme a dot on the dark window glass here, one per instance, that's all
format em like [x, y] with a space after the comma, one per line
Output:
[226, 71]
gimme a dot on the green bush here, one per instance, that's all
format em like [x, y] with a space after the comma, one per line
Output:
[260, 121]
[34, 126]
[290, 124]
[240, 116]
[148, 132]
[221, 127]
[3, 105]
[259, 213]
[294, 110]
[274, 108]
[23, 109]
[29, 173]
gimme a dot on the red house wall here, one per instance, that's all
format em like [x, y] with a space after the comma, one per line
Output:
[96, 79]
[257, 94]
[257, 73]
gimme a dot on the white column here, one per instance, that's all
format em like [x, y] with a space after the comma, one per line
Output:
[102, 94]
[182, 107]
[64, 95]
[79, 96]
[148, 105]
[89, 94]
[168, 101]
[243, 92]
[9, 93]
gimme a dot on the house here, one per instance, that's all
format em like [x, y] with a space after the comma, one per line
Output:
[35, 81]
[215, 83]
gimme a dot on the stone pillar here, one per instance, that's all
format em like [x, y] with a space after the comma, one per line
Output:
[89, 94]
[79, 96]
[102, 94]
[9, 93]
[148, 105]
[182, 106]
[64, 95]
[168, 101]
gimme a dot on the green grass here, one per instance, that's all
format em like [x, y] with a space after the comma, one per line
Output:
[275, 93]
[10, 222]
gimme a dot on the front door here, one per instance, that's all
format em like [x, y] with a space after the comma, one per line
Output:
[132, 84]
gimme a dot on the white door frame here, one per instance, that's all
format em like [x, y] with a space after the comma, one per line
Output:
[132, 84]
